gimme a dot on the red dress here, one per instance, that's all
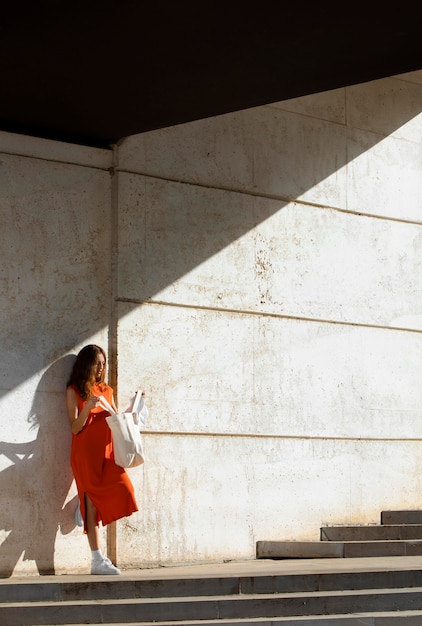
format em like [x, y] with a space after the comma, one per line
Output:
[96, 474]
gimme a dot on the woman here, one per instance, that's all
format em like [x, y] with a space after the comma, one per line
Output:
[105, 490]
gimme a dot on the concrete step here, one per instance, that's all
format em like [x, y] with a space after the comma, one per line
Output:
[401, 517]
[336, 549]
[330, 592]
[399, 534]
[387, 618]
[371, 532]
[199, 609]
[288, 577]
[53, 589]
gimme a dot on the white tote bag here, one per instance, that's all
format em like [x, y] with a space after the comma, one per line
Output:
[127, 441]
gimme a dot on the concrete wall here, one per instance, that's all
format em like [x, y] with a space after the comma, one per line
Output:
[55, 297]
[259, 274]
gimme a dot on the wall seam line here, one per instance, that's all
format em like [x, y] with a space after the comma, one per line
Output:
[267, 314]
[285, 199]
[272, 436]
[57, 160]
[111, 531]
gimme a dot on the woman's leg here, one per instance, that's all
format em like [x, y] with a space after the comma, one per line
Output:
[100, 564]
[91, 524]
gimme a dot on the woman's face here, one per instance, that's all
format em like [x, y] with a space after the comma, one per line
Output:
[99, 366]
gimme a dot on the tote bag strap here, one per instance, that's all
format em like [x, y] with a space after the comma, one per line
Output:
[105, 405]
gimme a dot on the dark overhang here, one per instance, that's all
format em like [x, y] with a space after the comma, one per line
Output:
[94, 72]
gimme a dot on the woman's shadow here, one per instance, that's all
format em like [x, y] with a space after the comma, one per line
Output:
[36, 484]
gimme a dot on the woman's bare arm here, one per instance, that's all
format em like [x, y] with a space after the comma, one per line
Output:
[77, 420]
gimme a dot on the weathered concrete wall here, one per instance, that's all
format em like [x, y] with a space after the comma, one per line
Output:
[259, 274]
[270, 286]
[55, 297]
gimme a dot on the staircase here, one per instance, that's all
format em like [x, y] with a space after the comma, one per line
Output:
[381, 591]
[398, 534]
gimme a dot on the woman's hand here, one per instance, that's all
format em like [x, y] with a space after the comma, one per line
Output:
[92, 402]
[78, 420]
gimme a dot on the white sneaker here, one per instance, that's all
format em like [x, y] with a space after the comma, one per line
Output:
[105, 566]
[78, 517]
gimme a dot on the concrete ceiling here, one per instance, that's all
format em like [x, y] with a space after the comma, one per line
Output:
[95, 72]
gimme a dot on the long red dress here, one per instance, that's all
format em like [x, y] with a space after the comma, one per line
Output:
[96, 474]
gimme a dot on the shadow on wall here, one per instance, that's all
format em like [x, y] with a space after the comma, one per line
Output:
[46, 289]
[35, 486]
[170, 227]
[170, 231]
